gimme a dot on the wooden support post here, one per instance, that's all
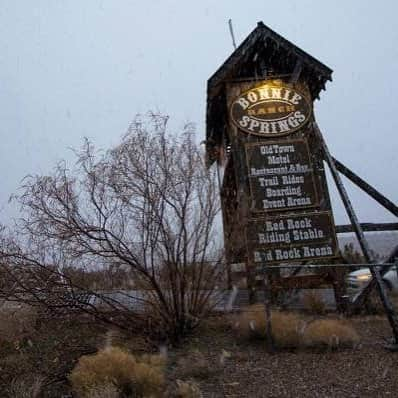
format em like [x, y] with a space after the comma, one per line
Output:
[339, 289]
[267, 310]
[392, 318]
[376, 195]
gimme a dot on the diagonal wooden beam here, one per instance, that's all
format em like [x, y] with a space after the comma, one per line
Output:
[376, 195]
[392, 317]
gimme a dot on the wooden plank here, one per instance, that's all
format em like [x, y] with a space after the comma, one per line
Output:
[259, 269]
[267, 179]
[376, 195]
[295, 237]
[367, 227]
[392, 318]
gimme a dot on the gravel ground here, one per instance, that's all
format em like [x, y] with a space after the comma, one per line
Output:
[247, 369]
[366, 371]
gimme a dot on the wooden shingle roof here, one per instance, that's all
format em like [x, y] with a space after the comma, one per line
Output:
[262, 53]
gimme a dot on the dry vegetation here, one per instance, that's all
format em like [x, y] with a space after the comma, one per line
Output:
[291, 330]
[138, 377]
[98, 362]
[331, 333]
[142, 216]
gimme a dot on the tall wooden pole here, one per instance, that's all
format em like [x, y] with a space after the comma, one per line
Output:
[267, 310]
[392, 318]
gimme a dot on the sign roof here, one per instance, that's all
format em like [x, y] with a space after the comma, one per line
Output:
[262, 53]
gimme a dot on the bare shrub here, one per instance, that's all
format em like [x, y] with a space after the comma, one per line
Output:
[286, 327]
[313, 302]
[332, 333]
[195, 365]
[146, 208]
[26, 387]
[139, 377]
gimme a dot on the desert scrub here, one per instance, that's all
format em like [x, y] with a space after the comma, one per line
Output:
[331, 333]
[136, 377]
[286, 327]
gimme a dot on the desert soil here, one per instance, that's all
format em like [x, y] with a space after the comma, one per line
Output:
[230, 367]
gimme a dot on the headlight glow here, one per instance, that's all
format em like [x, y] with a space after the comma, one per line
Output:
[364, 277]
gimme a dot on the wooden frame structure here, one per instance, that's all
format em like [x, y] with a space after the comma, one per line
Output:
[267, 61]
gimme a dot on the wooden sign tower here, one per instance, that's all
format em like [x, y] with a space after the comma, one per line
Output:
[262, 132]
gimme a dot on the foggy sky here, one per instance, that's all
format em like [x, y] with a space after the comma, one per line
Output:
[74, 69]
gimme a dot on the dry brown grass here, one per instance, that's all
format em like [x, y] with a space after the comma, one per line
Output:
[286, 327]
[139, 377]
[332, 333]
[250, 322]
[291, 330]
[313, 303]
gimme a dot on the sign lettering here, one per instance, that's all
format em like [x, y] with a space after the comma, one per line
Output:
[270, 110]
[280, 175]
[291, 238]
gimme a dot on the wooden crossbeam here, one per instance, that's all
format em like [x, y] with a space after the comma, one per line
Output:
[368, 227]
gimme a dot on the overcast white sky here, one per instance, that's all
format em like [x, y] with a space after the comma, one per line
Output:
[71, 69]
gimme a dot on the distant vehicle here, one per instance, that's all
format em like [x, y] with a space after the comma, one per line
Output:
[358, 279]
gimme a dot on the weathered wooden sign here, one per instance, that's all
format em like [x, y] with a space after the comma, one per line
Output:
[290, 238]
[270, 110]
[262, 133]
[277, 168]
[281, 175]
